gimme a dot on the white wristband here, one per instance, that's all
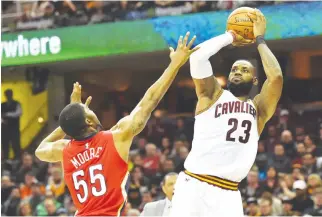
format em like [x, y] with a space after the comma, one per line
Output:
[200, 66]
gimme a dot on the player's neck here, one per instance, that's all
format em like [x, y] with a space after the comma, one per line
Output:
[86, 135]
[243, 98]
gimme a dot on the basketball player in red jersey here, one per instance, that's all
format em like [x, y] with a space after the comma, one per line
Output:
[95, 162]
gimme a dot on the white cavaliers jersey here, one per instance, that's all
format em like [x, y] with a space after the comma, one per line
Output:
[225, 139]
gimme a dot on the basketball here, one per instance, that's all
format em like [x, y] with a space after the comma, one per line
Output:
[241, 23]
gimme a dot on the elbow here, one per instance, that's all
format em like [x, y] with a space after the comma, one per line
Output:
[38, 154]
[197, 57]
[277, 79]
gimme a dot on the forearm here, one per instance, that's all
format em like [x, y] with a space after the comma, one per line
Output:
[271, 66]
[155, 93]
[200, 66]
[56, 135]
[151, 99]
[289, 193]
[51, 147]
[212, 46]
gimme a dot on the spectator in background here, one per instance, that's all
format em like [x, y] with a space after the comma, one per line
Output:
[26, 167]
[309, 164]
[6, 187]
[176, 150]
[50, 207]
[287, 142]
[166, 146]
[151, 160]
[133, 212]
[302, 201]
[261, 160]
[25, 188]
[271, 182]
[57, 185]
[138, 179]
[134, 196]
[181, 131]
[141, 144]
[276, 203]
[313, 182]
[297, 173]
[271, 139]
[252, 188]
[42, 208]
[316, 210]
[37, 195]
[11, 205]
[310, 142]
[137, 160]
[279, 160]
[146, 198]
[162, 207]
[300, 151]
[167, 166]
[24, 209]
[265, 207]
[299, 134]
[288, 208]
[252, 207]
[183, 154]
[10, 126]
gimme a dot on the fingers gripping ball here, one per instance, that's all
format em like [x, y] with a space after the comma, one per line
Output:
[239, 22]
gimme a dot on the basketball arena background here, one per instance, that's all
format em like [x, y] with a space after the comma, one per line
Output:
[116, 50]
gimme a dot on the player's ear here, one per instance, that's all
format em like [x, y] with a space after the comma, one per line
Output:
[255, 81]
[88, 122]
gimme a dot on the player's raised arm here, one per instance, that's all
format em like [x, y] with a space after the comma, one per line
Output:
[51, 148]
[207, 87]
[270, 94]
[134, 123]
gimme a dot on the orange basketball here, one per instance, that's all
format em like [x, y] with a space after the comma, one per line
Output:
[241, 23]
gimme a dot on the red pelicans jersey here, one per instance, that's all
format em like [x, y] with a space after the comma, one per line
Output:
[96, 175]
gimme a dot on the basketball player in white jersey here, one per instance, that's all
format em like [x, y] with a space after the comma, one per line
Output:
[227, 128]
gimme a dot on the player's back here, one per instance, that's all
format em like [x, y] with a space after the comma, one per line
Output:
[225, 139]
[96, 175]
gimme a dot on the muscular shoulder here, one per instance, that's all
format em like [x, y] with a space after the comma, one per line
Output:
[204, 103]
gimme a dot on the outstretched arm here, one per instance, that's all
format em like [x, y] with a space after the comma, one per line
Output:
[133, 124]
[266, 101]
[51, 148]
[207, 87]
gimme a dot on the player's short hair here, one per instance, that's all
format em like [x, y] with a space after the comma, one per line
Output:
[72, 120]
[166, 176]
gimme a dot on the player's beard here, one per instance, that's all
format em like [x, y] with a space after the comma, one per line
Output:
[241, 89]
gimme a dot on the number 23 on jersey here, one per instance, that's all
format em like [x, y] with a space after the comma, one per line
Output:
[95, 177]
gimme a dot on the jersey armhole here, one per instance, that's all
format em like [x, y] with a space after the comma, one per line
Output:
[111, 136]
[213, 101]
[257, 115]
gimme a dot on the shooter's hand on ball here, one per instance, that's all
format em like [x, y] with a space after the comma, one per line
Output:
[183, 51]
[239, 40]
[259, 23]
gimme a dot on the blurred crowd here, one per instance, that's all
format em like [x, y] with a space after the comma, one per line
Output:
[285, 179]
[51, 14]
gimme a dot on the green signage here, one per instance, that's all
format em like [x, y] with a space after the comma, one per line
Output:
[79, 42]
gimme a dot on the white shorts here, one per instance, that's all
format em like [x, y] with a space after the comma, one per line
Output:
[193, 197]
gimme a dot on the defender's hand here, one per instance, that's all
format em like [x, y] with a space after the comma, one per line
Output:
[259, 23]
[76, 96]
[239, 40]
[183, 51]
